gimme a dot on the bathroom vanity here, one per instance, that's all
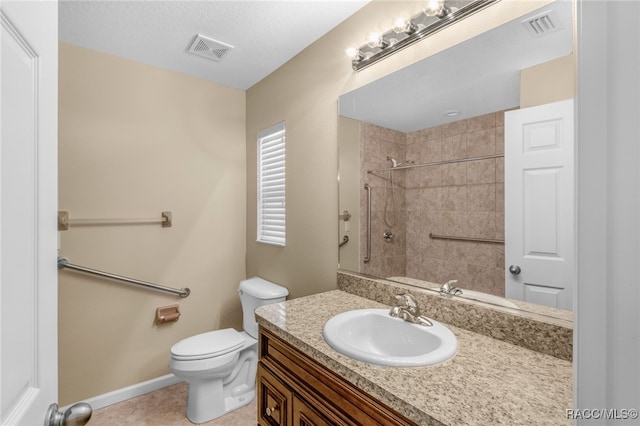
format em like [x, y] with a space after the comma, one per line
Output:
[303, 381]
[295, 389]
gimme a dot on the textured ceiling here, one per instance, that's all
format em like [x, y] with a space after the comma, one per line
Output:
[264, 34]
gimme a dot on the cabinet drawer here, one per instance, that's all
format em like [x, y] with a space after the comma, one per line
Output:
[304, 415]
[274, 400]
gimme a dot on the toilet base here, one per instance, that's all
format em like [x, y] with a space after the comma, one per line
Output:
[234, 402]
[223, 389]
[204, 411]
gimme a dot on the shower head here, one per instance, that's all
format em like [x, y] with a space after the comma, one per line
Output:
[395, 163]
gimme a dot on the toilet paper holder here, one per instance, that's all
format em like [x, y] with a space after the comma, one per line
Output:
[169, 313]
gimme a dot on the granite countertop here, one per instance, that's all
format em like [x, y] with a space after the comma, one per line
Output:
[488, 382]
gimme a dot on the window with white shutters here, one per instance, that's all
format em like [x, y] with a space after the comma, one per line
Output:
[271, 189]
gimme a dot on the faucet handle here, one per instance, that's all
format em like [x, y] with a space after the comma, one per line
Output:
[401, 298]
[408, 310]
[408, 302]
[448, 288]
[396, 310]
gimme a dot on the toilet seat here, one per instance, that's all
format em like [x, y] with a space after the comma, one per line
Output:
[207, 345]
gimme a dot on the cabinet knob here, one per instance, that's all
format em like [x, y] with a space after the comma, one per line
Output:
[515, 269]
[271, 411]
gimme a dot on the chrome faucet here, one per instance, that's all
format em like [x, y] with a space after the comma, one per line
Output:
[448, 288]
[408, 310]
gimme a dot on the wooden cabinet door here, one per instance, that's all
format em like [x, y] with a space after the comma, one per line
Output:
[274, 400]
[304, 415]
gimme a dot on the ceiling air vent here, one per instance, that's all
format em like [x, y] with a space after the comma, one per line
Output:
[209, 48]
[543, 24]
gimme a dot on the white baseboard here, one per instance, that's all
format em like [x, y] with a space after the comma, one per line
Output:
[129, 392]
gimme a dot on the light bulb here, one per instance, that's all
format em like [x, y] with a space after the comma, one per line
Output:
[376, 40]
[372, 40]
[436, 8]
[399, 25]
[404, 26]
[354, 53]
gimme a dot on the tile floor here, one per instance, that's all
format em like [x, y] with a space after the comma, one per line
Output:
[165, 407]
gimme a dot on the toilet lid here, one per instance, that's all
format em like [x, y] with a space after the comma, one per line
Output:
[208, 345]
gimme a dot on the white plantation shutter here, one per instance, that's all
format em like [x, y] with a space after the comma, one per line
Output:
[271, 178]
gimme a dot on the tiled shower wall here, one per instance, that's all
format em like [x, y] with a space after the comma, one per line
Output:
[388, 257]
[463, 199]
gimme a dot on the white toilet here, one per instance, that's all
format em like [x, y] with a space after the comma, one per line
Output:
[220, 366]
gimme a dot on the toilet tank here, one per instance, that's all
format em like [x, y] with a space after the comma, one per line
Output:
[255, 292]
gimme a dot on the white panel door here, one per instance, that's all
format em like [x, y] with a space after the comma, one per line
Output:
[28, 204]
[540, 204]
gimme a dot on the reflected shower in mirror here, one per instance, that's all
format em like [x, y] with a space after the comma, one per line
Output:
[429, 142]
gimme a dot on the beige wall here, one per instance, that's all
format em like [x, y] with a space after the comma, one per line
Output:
[304, 93]
[135, 140]
[548, 82]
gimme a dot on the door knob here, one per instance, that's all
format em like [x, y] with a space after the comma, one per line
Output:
[515, 269]
[76, 415]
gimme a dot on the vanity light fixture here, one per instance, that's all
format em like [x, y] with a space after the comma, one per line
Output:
[436, 15]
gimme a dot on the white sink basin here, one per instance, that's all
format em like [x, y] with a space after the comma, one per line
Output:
[373, 336]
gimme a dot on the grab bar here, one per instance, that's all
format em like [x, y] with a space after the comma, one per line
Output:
[367, 258]
[438, 163]
[476, 240]
[64, 221]
[64, 263]
[345, 240]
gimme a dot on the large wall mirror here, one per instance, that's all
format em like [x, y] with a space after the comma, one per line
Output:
[422, 168]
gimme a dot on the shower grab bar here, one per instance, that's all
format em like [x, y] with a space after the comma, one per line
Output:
[64, 222]
[367, 188]
[64, 263]
[477, 240]
[438, 163]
